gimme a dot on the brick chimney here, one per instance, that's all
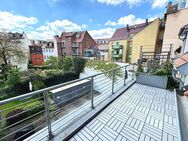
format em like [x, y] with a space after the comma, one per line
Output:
[146, 21]
[127, 27]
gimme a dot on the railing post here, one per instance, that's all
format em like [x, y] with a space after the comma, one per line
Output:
[50, 135]
[92, 105]
[113, 80]
[133, 73]
[125, 76]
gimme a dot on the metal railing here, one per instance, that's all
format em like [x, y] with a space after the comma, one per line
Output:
[50, 108]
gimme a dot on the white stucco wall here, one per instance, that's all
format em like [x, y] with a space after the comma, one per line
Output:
[23, 66]
[48, 52]
[174, 23]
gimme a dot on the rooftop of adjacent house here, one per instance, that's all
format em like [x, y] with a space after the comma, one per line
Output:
[181, 60]
[126, 32]
[12, 35]
[102, 41]
[103, 47]
[79, 35]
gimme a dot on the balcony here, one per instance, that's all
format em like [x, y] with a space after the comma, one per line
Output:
[75, 45]
[117, 55]
[106, 106]
[117, 46]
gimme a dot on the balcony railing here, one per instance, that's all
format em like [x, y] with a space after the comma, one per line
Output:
[49, 114]
[117, 46]
[117, 55]
[75, 45]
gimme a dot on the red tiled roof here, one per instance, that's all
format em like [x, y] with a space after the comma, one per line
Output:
[124, 33]
[181, 60]
[79, 39]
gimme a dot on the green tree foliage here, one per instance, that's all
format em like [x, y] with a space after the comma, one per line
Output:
[13, 77]
[105, 67]
[78, 64]
[164, 70]
[67, 63]
[37, 85]
[54, 62]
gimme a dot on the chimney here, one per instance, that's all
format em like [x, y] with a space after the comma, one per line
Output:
[127, 27]
[146, 22]
[168, 6]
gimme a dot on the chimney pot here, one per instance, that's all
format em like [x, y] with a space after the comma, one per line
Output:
[146, 21]
[127, 27]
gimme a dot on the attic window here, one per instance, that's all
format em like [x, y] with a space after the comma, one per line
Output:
[77, 35]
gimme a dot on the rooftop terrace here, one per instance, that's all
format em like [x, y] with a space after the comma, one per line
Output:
[116, 108]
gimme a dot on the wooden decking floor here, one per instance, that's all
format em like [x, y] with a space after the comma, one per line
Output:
[141, 113]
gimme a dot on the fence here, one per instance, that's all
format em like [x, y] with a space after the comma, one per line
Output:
[39, 112]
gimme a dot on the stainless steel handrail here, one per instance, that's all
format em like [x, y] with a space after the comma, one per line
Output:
[46, 93]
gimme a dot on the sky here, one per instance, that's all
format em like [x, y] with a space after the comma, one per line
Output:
[41, 19]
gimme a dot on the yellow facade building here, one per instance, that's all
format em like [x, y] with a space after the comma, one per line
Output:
[126, 42]
[149, 39]
[121, 42]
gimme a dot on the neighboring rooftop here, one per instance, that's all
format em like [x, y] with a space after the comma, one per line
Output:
[125, 32]
[78, 36]
[181, 60]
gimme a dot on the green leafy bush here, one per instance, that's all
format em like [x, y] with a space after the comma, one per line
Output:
[13, 77]
[104, 67]
[37, 85]
[78, 65]
[164, 70]
[67, 63]
[54, 62]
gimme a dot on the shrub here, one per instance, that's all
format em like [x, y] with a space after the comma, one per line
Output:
[67, 63]
[78, 65]
[37, 85]
[15, 116]
[54, 62]
[13, 77]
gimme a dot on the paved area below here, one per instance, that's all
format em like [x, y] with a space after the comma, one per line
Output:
[142, 113]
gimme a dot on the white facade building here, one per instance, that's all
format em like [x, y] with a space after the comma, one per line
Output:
[25, 42]
[48, 50]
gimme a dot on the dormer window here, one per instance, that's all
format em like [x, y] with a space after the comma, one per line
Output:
[77, 35]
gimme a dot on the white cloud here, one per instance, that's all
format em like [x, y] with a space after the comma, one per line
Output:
[102, 33]
[49, 29]
[10, 21]
[130, 19]
[118, 2]
[159, 3]
[62, 25]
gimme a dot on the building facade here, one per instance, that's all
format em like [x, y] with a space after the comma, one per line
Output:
[48, 50]
[24, 45]
[73, 43]
[175, 18]
[36, 52]
[148, 39]
[183, 35]
[103, 48]
[120, 45]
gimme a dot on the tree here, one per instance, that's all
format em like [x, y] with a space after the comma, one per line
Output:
[54, 62]
[78, 65]
[10, 50]
[67, 63]
[13, 78]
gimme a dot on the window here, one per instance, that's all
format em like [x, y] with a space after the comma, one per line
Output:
[77, 35]
[37, 59]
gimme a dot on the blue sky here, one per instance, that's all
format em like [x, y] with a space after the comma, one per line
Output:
[41, 19]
